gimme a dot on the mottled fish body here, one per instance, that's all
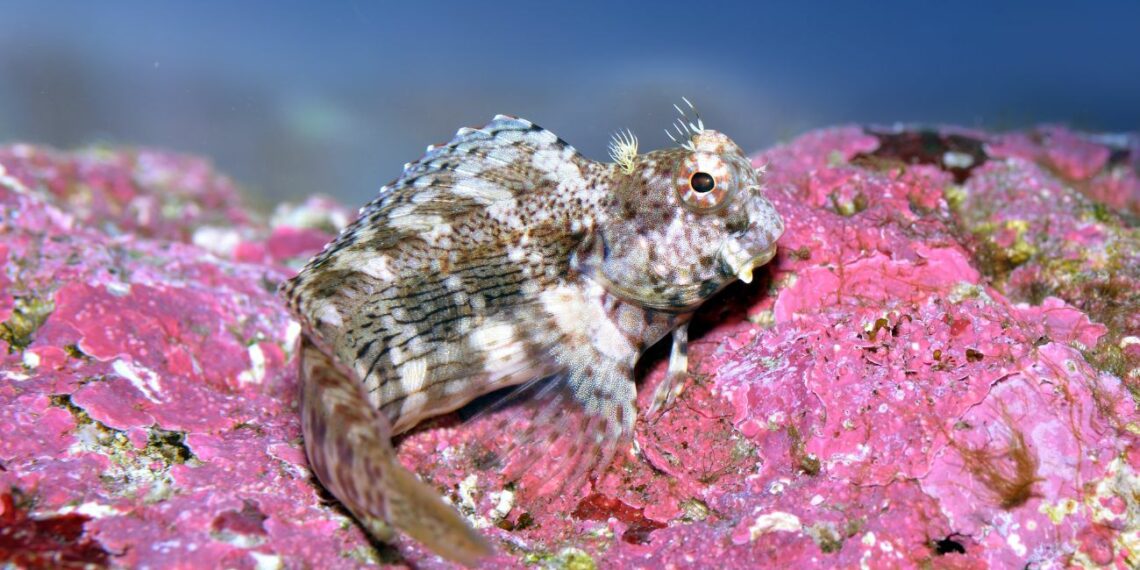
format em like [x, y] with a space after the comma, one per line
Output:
[503, 257]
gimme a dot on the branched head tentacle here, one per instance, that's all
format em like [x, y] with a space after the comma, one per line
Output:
[623, 150]
[686, 128]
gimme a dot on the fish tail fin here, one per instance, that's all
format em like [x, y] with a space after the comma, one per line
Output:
[416, 509]
[349, 445]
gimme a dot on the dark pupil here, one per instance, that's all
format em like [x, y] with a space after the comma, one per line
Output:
[702, 182]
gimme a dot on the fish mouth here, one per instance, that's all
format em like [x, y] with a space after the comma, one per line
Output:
[756, 246]
[741, 263]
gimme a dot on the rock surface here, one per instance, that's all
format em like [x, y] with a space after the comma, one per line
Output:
[942, 369]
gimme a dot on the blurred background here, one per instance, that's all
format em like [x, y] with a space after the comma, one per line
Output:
[296, 98]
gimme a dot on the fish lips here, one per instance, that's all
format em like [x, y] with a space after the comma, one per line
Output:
[757, 245]
[740, 262]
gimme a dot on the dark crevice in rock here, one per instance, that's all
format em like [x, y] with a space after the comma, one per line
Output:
[598, 507]
[170, 446]
[243, 528]
[1118, 157]
[949, 545]
[45, 542]
[81, 416]
[956, 154]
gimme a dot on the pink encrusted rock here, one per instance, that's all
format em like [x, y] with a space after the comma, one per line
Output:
[941, 369]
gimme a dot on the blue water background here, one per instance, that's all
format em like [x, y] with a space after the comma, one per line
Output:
[295, 98]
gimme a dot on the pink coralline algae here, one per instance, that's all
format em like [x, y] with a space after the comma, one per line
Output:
[941, 369]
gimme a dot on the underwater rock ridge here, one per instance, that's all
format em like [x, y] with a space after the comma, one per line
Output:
[940, 368]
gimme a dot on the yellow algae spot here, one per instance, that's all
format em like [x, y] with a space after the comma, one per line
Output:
[1021, 250]
[955, 195]
[1019, 226]
[569, 558]
[1057, 512]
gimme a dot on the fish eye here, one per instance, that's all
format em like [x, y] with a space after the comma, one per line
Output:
[702, 182]
[705, 181]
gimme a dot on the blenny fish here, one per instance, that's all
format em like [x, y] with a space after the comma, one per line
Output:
[501, 258]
